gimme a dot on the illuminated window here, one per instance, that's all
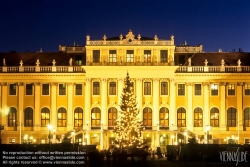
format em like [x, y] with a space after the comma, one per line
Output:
[12, 90]
[181, 89]
[231, 89]
[112, 56]
[62, 117]
[231, 117]
[164, 117]
[29, 89]
[247, 117]
[181, 117]
[147, 116]
[198, 117]
[214, 117]
[147, 88]
[247, 89]
[164, 55]
[12, 117]
[130, 56]
[112, 116]
[147, 56]
[197, 89]
[95, 117]
[78, 60]
[62, 89]
[164, 88]
[28, 116]
[78, 117]
[96, 88]
[214, 89]
[96, 56]
[112, 88]
[45, 89]
[78, 88]
[45, 117]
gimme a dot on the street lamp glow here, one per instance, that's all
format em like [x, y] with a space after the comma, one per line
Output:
[50, 127]
[207, 128]
[25, 137]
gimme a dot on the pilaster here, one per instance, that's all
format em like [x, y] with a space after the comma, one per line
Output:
[104, 101]
[172, 97]
[70, 112]
[222, 107]
[155, 101]
[87, 92]
[139, 96]
[53, 112]
[120, 88]
[4, 94]
[206, 117]
[190, 113]
[20, 94]
[37, 94]
[240, 118]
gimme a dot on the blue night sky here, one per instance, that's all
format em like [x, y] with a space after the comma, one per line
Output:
[34, 24]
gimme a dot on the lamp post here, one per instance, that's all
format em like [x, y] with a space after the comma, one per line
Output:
[50, 127]
[207, 130]
[1, 127]
[185, 136]
[73, 137]
[172, 137]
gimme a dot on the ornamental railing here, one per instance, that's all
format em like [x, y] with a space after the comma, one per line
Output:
[42, 69]
[125, 42]
[213, 69]
[188, 49]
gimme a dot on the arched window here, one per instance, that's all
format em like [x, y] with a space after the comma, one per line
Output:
[164, 117]
[95, 117]
[62, 117]
[112, 116]
[214, 117]
[231, 117]
[247, 117]
[12, 117]
[45, 116]
[181, 117]
[147, 116]
[198, 117]
[28, 116]
[78, 117]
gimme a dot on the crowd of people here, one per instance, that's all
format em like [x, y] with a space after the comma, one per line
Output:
[115, 156]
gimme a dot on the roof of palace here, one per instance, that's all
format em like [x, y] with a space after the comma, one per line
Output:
[214, 59]
[30, 58]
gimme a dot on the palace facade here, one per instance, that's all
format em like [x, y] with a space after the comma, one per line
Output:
[77, 91]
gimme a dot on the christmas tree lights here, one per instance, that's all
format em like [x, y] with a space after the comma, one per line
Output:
[128, 128]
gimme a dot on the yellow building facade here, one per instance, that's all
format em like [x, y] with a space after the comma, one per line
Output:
[178, 88]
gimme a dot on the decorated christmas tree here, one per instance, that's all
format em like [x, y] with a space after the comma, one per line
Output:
[128, 128]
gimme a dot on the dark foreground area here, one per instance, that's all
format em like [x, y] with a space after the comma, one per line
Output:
[76, 156]
[149, 163]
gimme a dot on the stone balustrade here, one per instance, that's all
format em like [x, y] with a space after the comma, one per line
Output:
[41, 69]
[213, 69]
